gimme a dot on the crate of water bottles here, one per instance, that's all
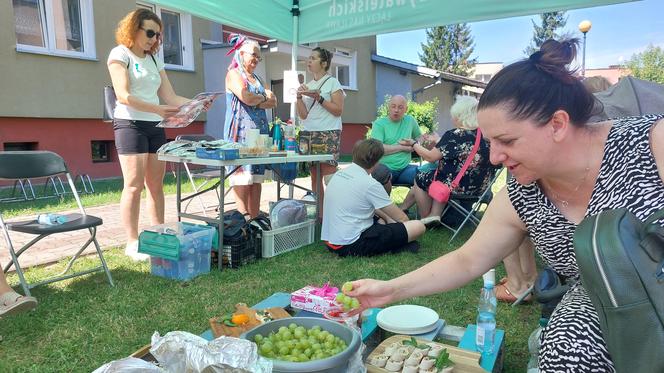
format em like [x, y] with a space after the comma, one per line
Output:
[179, 250]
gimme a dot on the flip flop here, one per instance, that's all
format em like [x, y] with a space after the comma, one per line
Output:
[503, 294]
[12, 302]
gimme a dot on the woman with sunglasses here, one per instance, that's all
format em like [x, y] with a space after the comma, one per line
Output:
[140, 82]
[246, 101]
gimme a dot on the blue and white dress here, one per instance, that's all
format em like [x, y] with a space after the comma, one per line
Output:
[628, 178]
[239, 118]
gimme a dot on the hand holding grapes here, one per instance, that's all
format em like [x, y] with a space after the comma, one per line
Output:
[370, 293]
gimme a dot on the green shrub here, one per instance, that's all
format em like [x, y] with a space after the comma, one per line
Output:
[426, 113]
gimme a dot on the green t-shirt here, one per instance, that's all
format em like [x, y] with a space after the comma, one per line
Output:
[389, 133]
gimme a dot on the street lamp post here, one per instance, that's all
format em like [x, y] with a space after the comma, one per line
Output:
[584, 27]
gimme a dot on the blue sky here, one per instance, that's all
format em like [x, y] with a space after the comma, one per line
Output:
[618, 31]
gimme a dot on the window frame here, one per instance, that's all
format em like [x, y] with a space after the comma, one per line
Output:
[352, 67]
[108, 145]
[87, 30]
[186, 37]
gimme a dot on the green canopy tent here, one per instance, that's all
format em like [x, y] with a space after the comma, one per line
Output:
[307, 21]
[304, 21]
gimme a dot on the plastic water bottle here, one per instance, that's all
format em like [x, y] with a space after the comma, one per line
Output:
[51, 219]
[534, 345]
[276, 136]
[311, 207]
[486, 319]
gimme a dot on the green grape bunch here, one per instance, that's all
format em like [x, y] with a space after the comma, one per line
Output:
[346, 302]
[296, 343]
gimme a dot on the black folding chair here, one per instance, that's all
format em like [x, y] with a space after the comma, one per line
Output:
[44, 164]
[467, 207]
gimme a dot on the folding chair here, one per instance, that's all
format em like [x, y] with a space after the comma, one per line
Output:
[43, 164]
[208, 174]
[468, 207]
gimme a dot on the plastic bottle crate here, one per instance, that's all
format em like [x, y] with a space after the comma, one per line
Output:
[285, 239]
[179, 251]
[240, 251]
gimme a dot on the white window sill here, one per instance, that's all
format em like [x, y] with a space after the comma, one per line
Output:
[23, 49]
[179, 68]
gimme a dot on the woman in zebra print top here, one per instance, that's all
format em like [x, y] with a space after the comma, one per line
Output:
[535, 114]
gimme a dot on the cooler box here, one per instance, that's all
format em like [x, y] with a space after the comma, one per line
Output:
[179, 250]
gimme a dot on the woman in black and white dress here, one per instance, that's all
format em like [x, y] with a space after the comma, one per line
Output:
[535, 114]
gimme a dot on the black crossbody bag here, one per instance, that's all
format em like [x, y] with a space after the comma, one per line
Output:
[110, 99]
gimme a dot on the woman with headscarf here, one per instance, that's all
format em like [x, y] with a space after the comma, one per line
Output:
[246, 102]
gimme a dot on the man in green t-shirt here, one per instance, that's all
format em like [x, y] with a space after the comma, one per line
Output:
[389, 130]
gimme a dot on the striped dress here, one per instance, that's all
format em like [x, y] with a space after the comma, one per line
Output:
[628, 178]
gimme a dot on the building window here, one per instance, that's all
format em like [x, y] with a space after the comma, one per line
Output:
[57, 27]
[483, 77]
[346, 67]
[177, 47]
[101, 151]
[17, 146]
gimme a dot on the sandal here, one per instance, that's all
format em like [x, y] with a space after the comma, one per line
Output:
[12, 302]
[503, 294]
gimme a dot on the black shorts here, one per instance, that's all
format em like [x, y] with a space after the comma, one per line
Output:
[137, 136]
[375, 240]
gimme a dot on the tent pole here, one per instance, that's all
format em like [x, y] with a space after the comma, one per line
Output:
[294, 50]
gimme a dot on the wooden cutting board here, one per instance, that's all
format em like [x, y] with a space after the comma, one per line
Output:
[219, 328]
[464, 361]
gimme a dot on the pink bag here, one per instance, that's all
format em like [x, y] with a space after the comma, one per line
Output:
[438, 190]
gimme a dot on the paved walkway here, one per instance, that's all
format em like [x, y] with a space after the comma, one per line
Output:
[111, 234]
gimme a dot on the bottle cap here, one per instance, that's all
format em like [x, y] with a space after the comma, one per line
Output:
[489, 277]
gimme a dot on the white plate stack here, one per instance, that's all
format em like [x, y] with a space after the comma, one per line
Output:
[407, 319]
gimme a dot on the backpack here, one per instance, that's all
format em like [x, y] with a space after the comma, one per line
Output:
[621, 262]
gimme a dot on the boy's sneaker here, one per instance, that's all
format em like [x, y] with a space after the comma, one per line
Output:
[431, 221]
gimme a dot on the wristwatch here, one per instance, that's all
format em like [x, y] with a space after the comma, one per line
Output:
[320, 100]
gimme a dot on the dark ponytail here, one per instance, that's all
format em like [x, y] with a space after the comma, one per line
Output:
[325, 56]
[535, 88]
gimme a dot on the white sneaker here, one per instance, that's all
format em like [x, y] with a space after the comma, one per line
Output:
[431, 221]
[131, 250]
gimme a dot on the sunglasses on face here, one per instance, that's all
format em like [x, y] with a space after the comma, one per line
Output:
[256, 56]
[151, 33]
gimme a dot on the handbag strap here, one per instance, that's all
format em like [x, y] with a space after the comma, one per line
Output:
[471, 156]
[319, 87]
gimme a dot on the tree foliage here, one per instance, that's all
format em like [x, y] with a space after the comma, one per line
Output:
[425, 113]
[549, 24]
[648, 65]
[448, 49]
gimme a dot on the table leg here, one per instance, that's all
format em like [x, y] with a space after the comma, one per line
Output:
[222, 194]
[317, 190]
[178, 189]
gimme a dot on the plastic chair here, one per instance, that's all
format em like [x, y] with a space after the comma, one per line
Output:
[207, 174]
[44, 164]
[468, 207]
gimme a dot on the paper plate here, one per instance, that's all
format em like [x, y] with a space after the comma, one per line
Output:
[407, 319]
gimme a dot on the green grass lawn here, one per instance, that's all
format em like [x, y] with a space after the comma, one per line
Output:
[82, 323]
